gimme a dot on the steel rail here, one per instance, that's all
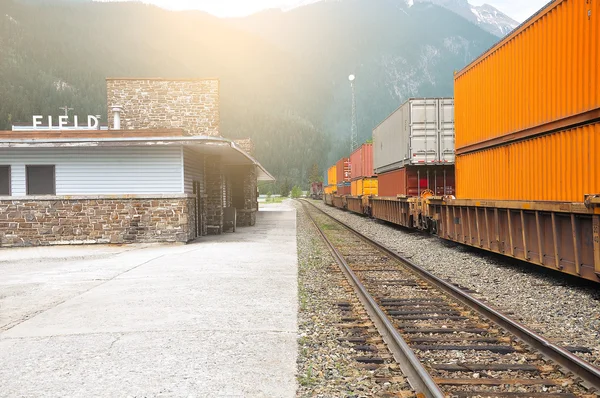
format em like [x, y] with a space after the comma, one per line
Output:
[583, 369]
[419, 379]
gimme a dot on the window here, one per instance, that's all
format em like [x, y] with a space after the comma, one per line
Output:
[41, 180]
[4, 180]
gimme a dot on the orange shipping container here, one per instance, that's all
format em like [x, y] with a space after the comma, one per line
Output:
[330, 189]
[361, 162]
[343, 170]
[546, 71]
[559, 167]
[332, 176]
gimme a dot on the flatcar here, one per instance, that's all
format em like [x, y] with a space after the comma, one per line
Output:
[510, 165]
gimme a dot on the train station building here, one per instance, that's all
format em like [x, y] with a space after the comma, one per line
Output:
[159, 172]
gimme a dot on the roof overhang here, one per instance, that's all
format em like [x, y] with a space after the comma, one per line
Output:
[231, 154]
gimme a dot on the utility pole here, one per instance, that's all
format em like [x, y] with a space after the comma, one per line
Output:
[66, 109]
[354, 131]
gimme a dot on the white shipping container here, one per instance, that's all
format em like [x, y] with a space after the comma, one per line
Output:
[420, 132]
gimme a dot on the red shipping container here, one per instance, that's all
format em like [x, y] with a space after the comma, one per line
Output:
[343, 190]
[413, 180]
[343, 170]
[361, 162]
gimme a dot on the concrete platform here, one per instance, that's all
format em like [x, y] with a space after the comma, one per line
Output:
[216, 318]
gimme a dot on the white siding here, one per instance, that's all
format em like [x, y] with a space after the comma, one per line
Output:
[101, 171]
[194, 170]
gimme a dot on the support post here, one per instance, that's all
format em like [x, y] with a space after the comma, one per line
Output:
[555, 238]
[596, 237]
[469, 221]
[524, 235]
[462, 225]
[487, 229]
[478, 227]
[497, 219]
[539, 237]
[510, 233]
[576, 254]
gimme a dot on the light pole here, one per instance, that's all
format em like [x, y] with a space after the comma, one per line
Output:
[354, 131]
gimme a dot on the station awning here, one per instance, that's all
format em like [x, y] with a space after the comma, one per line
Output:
[230, 153]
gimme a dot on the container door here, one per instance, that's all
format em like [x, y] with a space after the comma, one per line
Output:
[447, 138]
[390, 141]
[424, 135]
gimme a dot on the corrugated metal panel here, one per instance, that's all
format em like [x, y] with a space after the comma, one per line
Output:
[89, 171]
[556, 167]
[361, 162]
[414, 180]
[547, 70]
[420, 132]
[370, 187]
[344, 188]
[447, 136]
[332, 176]
[365, 186]
[193, 170]
[392, 183]
[343, 170]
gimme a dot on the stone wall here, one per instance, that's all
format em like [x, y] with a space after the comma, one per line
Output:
[192, 105]
[214, 193]
[244, 194]
[246, 145]
[39, 221]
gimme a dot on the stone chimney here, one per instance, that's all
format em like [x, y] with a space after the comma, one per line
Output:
[246, 145]
[192, 105]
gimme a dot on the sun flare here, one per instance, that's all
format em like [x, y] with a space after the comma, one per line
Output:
[223, 8]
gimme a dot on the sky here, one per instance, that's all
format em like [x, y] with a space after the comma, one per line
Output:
[519, 10]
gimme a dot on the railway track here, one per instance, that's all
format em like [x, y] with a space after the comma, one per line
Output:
[448, 343]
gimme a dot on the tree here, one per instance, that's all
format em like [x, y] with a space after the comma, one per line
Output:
[285, 187]
[315, 174]
[296, 192]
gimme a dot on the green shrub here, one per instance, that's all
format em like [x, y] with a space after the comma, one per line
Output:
[296, 192]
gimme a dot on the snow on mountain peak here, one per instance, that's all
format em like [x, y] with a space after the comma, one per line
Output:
[486, 16]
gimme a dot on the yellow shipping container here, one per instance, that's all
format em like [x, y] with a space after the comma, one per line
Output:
[332, 176]
[330, 189]
[543, 76]
[559, 167]
[365, 186]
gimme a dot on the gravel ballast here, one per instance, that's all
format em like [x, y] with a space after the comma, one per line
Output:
[558, 307]
[327, 365]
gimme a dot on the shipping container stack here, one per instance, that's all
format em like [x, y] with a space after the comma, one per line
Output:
[537, 142]
[363, 181]
[330, 184]
[528, 143]
[343, 176]
[414, 149]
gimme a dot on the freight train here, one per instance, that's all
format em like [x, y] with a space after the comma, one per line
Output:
[511, 164]
[316, 191]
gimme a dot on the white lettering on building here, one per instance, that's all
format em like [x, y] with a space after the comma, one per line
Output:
[93, 123]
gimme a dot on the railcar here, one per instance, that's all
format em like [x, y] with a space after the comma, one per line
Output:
[520, 175]
[316, 191]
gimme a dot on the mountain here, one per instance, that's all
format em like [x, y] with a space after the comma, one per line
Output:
[485, 16]
[396, 52]
[283, 74]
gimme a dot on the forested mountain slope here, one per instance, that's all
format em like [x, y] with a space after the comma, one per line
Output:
[283, 74]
